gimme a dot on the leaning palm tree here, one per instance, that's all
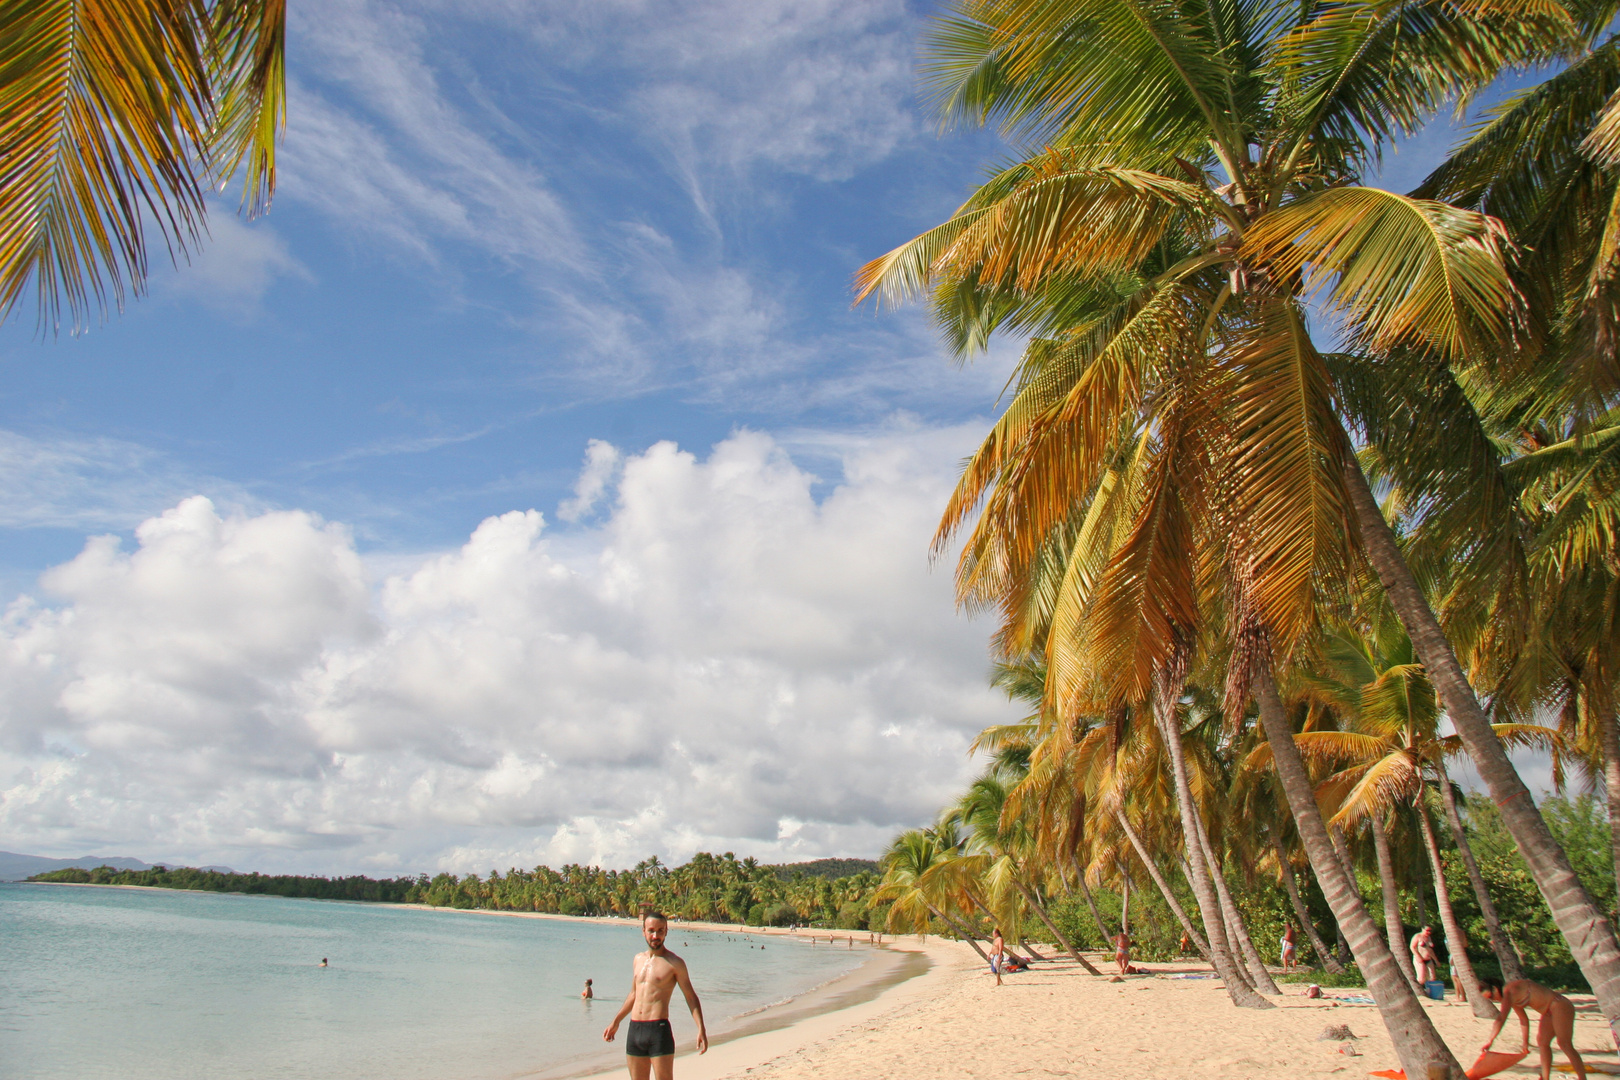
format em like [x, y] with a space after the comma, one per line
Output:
[1189, 179]
[1389, 749]
[905, 864]
[1003, 843]
[120, 115]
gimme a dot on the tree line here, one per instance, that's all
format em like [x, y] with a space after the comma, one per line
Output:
[712, 888]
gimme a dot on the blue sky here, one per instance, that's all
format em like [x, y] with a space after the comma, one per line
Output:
[523, 487]
[500, 234]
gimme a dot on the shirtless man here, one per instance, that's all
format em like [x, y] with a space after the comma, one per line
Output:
[650, 1046]
[998, 955]
[1557, 1021]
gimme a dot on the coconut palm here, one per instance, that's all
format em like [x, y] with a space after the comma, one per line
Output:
[1198, 181]
[905, 864]
[1002, 842]
[1390, 748]
[119, 114]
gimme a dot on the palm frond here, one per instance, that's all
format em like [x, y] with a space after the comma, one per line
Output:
[1403, 271]
[104, 108]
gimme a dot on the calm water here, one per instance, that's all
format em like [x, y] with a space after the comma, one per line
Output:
[128, 984]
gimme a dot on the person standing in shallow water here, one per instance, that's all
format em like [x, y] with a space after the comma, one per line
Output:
[649, 1047]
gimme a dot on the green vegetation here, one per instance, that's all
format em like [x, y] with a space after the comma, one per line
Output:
[1292, 468]
[714, 888]
[388, 890]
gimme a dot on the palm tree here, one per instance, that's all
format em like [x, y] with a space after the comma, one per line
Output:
[1198, 181]
[905, 882]
[1086, 758]
[113, 115]
[1002, 842]
[1392, 744]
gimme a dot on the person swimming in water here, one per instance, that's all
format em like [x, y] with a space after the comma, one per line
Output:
[649, 1047]
[1557, 1021]
[587, 993]
[322, 963]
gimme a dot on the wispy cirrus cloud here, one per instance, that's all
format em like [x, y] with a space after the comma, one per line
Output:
[73, 482]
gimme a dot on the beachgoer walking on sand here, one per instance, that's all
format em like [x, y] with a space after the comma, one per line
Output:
[587, 993]
[650, 1045]
[1557, 1021]
[1423, 958]
[998, 954]
[1122, 952]
[1288, 948]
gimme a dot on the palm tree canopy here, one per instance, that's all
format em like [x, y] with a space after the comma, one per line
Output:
[120, 115]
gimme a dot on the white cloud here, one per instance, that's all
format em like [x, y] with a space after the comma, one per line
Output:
[602, 461]
[725, 662]
[235, 266]
[397, 159]
[72, 482]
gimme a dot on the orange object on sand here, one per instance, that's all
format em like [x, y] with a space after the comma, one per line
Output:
[1490, 1063]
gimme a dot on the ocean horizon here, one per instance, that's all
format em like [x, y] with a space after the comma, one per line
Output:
[146, 984]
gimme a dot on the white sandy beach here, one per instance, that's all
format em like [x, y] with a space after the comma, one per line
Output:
[1057, 1021]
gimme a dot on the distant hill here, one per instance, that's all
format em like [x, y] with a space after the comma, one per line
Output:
[827, 868]
[15, 867]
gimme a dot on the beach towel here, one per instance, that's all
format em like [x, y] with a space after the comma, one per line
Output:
[1607, 1067]
[1356, 1000]
[1489, 1064]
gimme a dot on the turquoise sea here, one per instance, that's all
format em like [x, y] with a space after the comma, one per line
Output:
[127, 984]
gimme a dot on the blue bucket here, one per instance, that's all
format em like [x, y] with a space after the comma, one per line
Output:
[1435, 989]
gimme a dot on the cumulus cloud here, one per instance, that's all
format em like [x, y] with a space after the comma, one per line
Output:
[726, 662]
[602, 460]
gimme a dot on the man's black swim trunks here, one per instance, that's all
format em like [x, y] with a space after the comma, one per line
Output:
[649, 1039]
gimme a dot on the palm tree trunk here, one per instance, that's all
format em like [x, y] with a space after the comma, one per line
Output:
[1392, 902]
[1164, 886]
[1124, 900]
[1589, 936]
[1259, 977]
[1085, 891]
[1501, 944]
[1030, 949]
[1610, 735]
[1057, 935]
[1301, 912]
[1417, 1043]
[967, 934]
[1209, 904]
[1462, 971]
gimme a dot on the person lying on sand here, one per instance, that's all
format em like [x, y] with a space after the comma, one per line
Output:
[1557, 1020]
[650, 1046]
